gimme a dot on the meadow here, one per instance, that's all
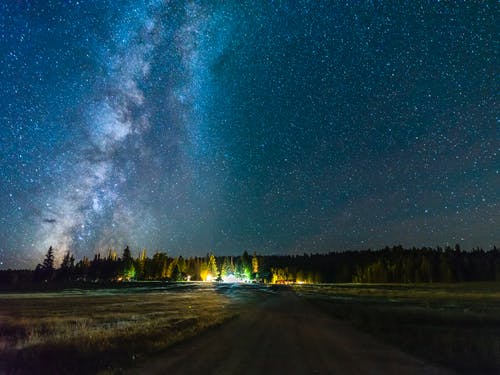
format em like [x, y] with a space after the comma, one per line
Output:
[454, 325]
[108, 330]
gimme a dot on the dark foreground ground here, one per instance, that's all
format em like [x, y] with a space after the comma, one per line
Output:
[286, 335]
[214, 328]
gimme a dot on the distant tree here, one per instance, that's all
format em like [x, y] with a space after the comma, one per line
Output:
[45, 271]
[82, 269]
[204, 271]
[388, 265]
[128, 268]
[157, 264]
[226, 269]
[177, 274]
[112, 255]
[192, 269]
[182, 265]
[170, 269]
[255, 266]
[95, 268]
[130, 272]
[141, 265]
[280, 275]
[127, 256]
[445, 272]
[48, 262]
[164, 269]
[212, 267]
[65, 272]
[243, 266]
[68, 261]
[300, 276]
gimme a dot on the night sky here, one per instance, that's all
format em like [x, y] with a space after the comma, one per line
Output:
[276, 127]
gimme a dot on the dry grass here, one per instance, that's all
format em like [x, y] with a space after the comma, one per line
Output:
[107, 330]
[455, 325]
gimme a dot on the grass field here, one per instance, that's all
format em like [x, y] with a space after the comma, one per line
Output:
[107, 330]
[455, 325]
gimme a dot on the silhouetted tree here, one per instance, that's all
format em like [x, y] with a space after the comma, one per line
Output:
[393, 265]
[67, 269]
[45, 271]
[48, 262]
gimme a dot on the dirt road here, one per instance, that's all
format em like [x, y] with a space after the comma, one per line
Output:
[286, 335]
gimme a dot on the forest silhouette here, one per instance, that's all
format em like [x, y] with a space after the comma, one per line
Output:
[388, 265]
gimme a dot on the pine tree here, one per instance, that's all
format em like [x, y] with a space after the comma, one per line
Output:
[66, 271]
[204, 271]
[255, 267]
[128, 270]
[227, 268]
[67, 261]
[212, 267]
[48, 262]
[45, 271]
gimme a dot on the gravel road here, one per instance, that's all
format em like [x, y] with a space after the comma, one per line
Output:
[286, 335]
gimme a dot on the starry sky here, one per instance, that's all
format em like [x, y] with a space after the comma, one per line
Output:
[276, 127]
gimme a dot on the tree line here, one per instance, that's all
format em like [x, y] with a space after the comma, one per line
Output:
[388, 265]
[160, 266]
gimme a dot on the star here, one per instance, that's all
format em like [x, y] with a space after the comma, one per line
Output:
[192, 127]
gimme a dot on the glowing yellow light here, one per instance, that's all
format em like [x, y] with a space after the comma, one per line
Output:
[209, 278]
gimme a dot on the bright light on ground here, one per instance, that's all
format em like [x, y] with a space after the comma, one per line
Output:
[231, 279]
[234, 279]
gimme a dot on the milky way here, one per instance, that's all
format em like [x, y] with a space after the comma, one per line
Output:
[275, 127]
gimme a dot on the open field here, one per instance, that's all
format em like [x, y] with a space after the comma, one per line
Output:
[302, 329]
[86, 331]
[455, 325]
[286, 335]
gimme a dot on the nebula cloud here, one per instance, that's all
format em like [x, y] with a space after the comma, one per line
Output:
[224, 126]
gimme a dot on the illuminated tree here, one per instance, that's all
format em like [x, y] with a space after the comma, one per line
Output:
[170, 268]
[212, 267]
[130, 272]
[204, 272]
[181, 264]
[280, 275]
[227, 268]
[177, 274]
[300, 277]
[128, 268]
[255, 264]
[164, 269]
[243, 269]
